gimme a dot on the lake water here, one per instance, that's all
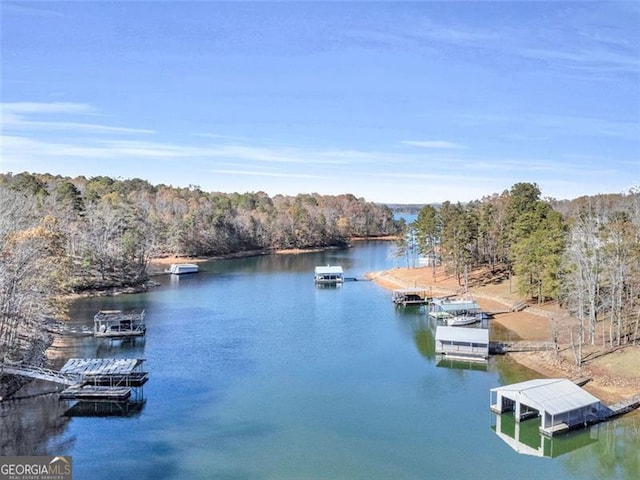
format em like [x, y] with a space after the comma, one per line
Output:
[255, 373]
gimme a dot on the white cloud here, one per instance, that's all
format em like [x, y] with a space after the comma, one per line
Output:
[16, 117]
[49, 107]
[443, 144]
[262, 173]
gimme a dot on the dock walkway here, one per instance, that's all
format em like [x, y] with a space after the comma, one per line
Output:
[89, 378]
[621, 408]
[39, 373]
[520, 346]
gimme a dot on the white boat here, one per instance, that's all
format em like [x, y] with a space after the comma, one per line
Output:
[458, 320]
[182, 268]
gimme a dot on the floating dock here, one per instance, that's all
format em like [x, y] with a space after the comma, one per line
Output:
[91, 392]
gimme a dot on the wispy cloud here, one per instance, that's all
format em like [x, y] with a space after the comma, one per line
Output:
[18, 117]
[597, 58]
[555, 124]
[262, 173]
[45, 107]
[438, 144]
[30, 10]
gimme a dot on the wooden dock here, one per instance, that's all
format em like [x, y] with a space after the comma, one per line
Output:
[112, 379]
[620, 408]
[107, 372]
[92, 392]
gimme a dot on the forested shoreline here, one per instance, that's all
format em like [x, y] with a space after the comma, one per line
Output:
[63, 235]
[583, 253]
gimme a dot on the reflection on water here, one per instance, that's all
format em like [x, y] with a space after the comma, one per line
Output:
[606, 450]
[524, 437]
[40, 432]
[461, 364]
[131, 408]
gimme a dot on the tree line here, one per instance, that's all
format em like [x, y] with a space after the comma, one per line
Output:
[583, 253]
[60, 234]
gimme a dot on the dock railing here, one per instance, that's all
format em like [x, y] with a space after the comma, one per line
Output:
[521, 346]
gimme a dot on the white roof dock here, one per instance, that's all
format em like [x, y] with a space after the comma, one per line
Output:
[559, 402]
[329, 270]
[463, 335]
[553, 395]
[456, 305]
[462, 342]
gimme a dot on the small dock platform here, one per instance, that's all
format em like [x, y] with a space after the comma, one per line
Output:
[92, 392]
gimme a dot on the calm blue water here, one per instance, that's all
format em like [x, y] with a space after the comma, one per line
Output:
[258, 374]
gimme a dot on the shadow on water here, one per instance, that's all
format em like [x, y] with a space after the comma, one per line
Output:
[41, 431]
[106, 409]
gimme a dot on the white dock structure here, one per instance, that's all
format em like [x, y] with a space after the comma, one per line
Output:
[455, 311]
[183, 268]
[328, 275]
[560, 404]
[463, 343]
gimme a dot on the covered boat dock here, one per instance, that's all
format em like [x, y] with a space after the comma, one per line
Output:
[462, 342]
[118, 323]
[447, 307]
[410, 296]
[114, 379]
[329, 275]
[560, 404]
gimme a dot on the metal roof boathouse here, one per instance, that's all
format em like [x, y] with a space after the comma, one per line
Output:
[464, 343]
[410, 296]
[560, 404]
[329, 275]
[118, 323]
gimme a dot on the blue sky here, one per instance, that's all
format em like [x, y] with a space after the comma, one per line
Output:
[391, 101]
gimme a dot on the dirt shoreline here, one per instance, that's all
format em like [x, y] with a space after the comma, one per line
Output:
[614, 374]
